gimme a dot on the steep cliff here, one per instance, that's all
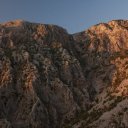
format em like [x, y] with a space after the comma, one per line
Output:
[51, 79]
[103, 53]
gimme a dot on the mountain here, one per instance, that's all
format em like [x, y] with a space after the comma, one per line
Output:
[52, 79]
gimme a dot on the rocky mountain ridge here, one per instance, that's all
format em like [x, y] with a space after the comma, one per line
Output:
[52, 79]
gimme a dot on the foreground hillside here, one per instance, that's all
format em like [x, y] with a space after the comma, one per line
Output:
[51, 79]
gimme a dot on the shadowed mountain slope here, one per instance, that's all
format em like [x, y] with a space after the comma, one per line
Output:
[51, 79]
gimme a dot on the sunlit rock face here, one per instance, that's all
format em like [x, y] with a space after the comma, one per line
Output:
[41, 80]
[51, 79]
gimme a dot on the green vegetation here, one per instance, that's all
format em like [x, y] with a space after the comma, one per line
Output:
[89, 117]
[82, 62]
[8, 53]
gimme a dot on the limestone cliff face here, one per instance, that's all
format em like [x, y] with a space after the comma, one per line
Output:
[50, 79]
[103, 53]
[41, 80]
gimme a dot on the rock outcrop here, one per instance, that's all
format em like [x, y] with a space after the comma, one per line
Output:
[51, 79]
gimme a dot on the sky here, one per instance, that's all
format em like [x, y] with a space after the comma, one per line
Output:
[73, 15]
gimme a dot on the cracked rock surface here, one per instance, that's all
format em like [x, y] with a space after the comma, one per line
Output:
[52, 79]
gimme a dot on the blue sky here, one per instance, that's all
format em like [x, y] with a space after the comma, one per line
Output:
[74, 15]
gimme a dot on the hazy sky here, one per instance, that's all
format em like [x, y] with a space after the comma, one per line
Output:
[74, 15]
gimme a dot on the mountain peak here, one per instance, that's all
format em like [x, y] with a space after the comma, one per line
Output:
[51, 79]
[17, 22]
